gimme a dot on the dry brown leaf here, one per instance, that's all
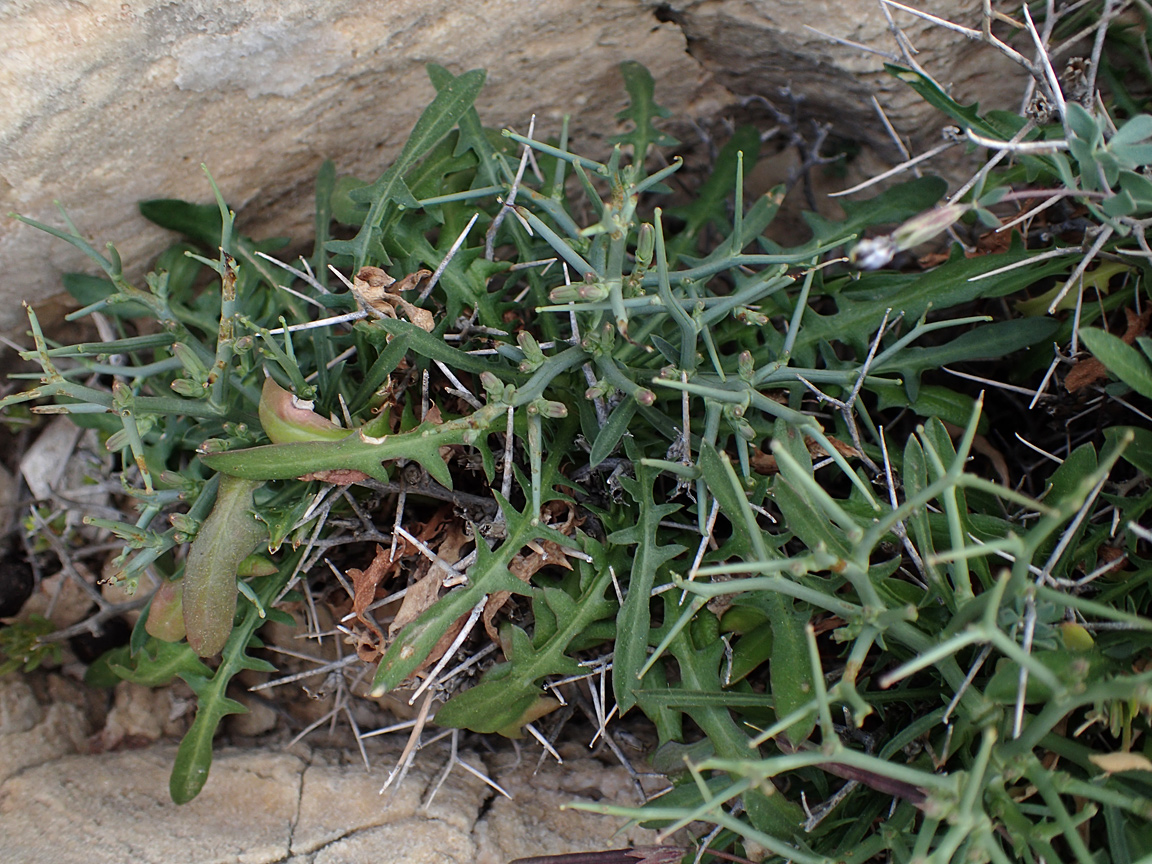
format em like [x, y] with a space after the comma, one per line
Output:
[411, 281]
[424, 592]
[455, 539]
[985, 448]
[765, 463]
[422, 318]
[825, 623]
[1088, 371]
[371, 286]
[421, 595]
[364, 584]
[336, 476]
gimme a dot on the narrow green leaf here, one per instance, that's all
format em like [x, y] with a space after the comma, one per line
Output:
[199, 222]
[450, 104]
[612, 431]
[791, 676]
[1120, 358]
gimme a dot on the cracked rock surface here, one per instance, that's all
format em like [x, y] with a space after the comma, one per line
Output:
[263, 806]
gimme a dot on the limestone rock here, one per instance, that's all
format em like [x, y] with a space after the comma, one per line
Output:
[260, 807]
[755, 47]
[115, 807]
[31, 734]
[140, 716]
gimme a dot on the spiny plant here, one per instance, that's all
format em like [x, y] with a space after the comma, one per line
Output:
[733, 473]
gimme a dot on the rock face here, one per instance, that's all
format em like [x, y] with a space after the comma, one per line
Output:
[754, 47]
[262, 806]
[109, 102]
[63, 804]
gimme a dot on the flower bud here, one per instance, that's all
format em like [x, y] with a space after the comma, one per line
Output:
[874, 253]
[593, 292]
[645, 245]
[922, 228]
[745, 366]
[564, 294]
[549, 409]
[493, 386]
[533, 356]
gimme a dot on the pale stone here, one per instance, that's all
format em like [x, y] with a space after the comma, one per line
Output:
[137, 716]
[44, 463]
[338, 800]
[31, 734]
[533, 819]
[422, 843]
[62, 597]
[115, 807]
[258, 719]
[260, 807]
[19, 710]
[755, 47]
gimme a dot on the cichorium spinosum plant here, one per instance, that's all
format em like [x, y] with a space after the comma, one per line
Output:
[740, 476]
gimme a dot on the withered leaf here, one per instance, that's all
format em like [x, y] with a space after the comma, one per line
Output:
[336, 476]
[364, 584]
[371, 287]
[765, 463]
[424, 592]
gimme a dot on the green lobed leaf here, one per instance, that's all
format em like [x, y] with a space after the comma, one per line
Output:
[487, 576]
[642, 111]
[451, 103]
[500, 703]
[194, 756]
[635, 618]
[157, 663]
